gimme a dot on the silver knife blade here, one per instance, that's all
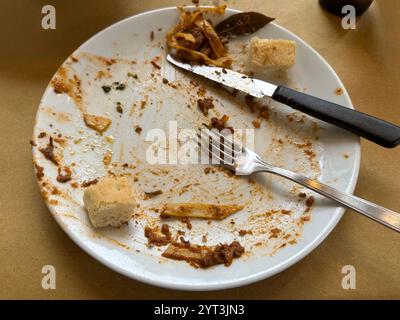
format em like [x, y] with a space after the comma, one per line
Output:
[254, 87]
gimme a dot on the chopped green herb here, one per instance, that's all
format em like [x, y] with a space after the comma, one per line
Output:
[119, 86]
[106, 89]
[133, 75]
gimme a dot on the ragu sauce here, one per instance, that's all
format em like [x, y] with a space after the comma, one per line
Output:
[335, 6]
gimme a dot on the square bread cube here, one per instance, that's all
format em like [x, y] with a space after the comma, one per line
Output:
[272, 54]
[110, 202]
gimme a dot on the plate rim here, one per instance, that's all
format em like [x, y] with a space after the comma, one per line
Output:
[323, 234]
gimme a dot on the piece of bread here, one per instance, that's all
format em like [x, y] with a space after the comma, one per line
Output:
[273, 54]
[109, 202]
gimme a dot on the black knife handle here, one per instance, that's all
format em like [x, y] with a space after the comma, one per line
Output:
[379, 131]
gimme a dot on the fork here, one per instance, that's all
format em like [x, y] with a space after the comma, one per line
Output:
[244, 161]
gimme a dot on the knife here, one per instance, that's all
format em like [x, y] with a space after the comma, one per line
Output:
[376, 130]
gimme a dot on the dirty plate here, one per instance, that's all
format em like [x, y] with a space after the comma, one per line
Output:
[118, 74]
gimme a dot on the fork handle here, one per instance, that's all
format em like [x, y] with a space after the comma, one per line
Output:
[380, 214]
[377, 130]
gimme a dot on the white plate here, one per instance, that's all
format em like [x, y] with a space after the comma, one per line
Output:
[124, 250]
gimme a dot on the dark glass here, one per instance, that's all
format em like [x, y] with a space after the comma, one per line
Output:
[335, 6]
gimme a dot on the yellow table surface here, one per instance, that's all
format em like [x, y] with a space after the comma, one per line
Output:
[366, 59]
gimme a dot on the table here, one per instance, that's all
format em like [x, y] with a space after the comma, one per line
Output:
[366, 59]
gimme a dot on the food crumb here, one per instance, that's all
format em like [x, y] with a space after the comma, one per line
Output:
[220, 124]
[64, 174]
[138, 130]
[39, 172]
[256, 124]
[205, 104]
[201, 91]
[310, 153]
[48, 152]
[274, 233]
[242, 233]
[188, 223]
[98, 123]
[310, 201]
[155, 64]
[152, 194]
[338, 91]
[55, 191]
[203, 256]
[154, 238]
[119, 108]
[86, 184]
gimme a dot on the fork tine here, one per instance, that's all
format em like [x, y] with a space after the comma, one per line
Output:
[213, 139]
[215, 151]
[219, 148]
[229, 143]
